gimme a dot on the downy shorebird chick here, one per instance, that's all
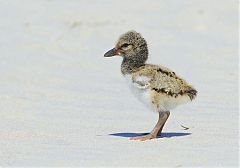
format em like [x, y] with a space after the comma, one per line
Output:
[156, 86]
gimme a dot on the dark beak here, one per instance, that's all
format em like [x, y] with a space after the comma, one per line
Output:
[111, 53]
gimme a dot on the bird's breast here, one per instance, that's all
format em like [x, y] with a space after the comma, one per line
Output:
[143, 95]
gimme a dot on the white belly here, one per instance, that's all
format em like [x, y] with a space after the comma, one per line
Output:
[143, 95]
[167, 103]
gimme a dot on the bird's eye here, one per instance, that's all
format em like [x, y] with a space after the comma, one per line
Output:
[125, 45]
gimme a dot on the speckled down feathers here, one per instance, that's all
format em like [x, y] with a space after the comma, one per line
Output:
[163, 80]
[153, 85]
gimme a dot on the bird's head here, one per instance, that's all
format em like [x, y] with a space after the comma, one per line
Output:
[130, 45]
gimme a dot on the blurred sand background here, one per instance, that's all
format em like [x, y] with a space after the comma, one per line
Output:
[60, 98]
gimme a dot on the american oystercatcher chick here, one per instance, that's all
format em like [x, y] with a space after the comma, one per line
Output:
[156, 86]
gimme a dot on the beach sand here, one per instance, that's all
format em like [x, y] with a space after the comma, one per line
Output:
[63, 104]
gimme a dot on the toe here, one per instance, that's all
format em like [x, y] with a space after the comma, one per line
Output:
[143, 138]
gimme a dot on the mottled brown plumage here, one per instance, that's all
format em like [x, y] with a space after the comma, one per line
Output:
[163, 80]
[156, 86]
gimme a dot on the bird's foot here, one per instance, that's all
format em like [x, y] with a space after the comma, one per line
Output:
[143, 137]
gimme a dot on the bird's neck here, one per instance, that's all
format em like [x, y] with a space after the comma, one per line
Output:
[131, 63]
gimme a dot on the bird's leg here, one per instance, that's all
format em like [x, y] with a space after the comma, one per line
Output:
[163, 116]
[160, 130]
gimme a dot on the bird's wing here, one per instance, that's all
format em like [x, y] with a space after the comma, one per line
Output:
[141, 81]
[160, 79]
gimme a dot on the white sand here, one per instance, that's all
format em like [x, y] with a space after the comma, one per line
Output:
[60, 98]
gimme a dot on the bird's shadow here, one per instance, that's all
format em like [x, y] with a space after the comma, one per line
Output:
[163, 134]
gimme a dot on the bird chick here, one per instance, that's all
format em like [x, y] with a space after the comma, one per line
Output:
[156, 86]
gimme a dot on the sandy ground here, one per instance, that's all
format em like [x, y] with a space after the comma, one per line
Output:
[63, 104]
